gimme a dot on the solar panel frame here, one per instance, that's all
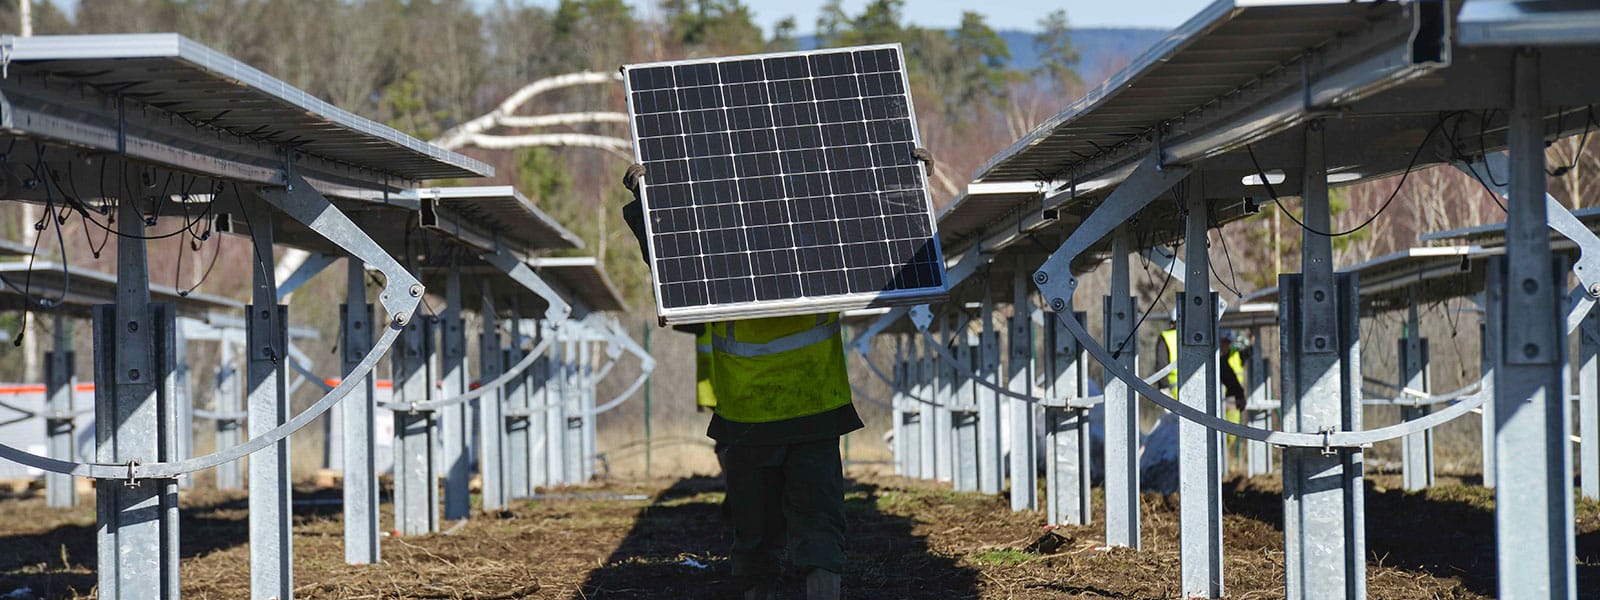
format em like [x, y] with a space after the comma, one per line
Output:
[797, 304]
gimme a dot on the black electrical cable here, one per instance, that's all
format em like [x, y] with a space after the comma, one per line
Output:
[1385, 206]
[1582, 140]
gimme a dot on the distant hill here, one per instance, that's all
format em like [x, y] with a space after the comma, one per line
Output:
[1102, 50]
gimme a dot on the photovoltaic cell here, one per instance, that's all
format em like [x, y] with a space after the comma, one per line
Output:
[783, 184]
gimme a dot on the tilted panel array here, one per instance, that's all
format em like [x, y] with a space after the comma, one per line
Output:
[783, 184]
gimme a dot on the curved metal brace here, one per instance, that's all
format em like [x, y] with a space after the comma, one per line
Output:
[400, 296]
[647, 365]
[493, 385]
[890, 381]
[1413, 397]
[1331, 439]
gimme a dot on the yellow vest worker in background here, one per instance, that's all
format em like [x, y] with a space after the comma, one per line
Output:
[1232, 373]
[781, 394]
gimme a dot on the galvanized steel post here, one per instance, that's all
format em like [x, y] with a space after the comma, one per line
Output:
[266, 345]
[1324, 532]
[1067, 476]
[1416, 450]
[1258, 454]
[416, 475]
[137, 531]
[453, 423]
[228, 409]
[1199, 447]
[517, 421]
[1121, 404]
[964, 415]
[1023, 415]
[1533, 499]
[927, 432]
[1589, 405]
[491, 423]
[943, 419]
[59, 365]
[991, 458]
[357, 427]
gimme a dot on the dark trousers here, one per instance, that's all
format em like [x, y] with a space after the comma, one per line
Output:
[786, 496]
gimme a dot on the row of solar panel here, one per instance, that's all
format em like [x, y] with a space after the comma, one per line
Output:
[745, 70]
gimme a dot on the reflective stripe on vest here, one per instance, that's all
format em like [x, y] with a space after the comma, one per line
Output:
[821, 332]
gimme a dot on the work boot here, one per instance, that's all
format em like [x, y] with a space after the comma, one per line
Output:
[762, 591]
[822, 584]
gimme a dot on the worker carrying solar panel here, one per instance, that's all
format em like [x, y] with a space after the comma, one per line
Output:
[780, 393]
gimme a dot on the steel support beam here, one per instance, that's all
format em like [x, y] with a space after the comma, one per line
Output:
[136, 519]
[228, 409]
[991, 460]
[586, 375]
[1199, 447]
[556, 415]
[455, 428]
[1533, 499]
[266, 358]
[1122, 405]
[1066, 446]
[59, 365]
[902, 458]
[1324, 532]
[416, 475]
[572, 406]
[356, 327]
[517, 434]
[1023, 415]
[1258, 456]
[963, 414]
[927, 425]
[1589, 406]
[491, 424]
[183, 396]
[943, 418]
[1416, 450]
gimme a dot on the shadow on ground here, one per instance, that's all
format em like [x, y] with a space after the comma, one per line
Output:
[52, 551]
[1447, 531]
[683, 524]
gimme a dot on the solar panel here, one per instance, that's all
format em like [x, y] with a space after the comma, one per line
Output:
[781, 184]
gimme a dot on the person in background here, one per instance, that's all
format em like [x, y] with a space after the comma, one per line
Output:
[1231, 373]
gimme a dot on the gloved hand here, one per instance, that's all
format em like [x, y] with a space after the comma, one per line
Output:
[923, 155]
[633, 212]
[633, 176]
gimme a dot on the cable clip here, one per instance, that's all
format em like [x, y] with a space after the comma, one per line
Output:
[133, 479]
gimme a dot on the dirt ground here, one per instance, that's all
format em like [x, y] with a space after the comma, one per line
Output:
[909, 539]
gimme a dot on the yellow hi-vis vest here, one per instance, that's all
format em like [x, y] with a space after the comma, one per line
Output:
[1170, 336]
[704, 396]
[1236, 364]
[778, 368]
